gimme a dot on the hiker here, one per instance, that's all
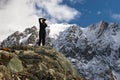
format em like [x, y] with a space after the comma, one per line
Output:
[42, 31]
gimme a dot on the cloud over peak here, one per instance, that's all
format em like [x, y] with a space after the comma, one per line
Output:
[56, 11]
[116, 16]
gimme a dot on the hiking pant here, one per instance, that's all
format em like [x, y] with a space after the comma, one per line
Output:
[42, 35]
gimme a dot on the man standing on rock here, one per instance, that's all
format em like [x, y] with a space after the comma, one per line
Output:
[42, 31]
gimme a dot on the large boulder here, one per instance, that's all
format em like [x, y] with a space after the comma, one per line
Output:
[15, 65]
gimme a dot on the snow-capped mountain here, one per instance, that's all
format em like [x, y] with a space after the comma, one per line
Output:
[28, 36]
[95, 50]
[103, 53]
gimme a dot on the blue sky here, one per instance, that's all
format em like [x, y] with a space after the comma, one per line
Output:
[93, 11]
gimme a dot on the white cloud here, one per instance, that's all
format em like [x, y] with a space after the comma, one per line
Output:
[77, 1]
[20, 14]
[3, 3]
[16, 15]
[115, 16]
[99, 12]
[56, 11]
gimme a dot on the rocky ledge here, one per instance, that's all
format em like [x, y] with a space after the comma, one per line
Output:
[35, 63]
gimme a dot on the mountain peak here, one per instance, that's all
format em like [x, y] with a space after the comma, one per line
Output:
[103, 21]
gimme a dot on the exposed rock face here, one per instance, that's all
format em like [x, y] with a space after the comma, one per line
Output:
[104, 42]
[68, 41]
[12, 40]
[40, 63]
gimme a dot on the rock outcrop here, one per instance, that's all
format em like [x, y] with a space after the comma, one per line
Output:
[39, 63]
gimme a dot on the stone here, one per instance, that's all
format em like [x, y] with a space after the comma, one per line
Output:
[15, 65]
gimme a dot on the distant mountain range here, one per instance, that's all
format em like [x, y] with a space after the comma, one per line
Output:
[94, 50]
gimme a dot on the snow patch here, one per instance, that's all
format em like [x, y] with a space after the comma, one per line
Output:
[55, 29]
[23, 40]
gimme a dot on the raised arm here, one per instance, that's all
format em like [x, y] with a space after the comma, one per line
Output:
[40, 20]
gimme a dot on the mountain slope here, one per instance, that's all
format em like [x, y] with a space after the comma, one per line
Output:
[104, 42]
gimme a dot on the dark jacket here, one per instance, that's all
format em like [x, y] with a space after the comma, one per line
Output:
[42, 32]
[42, 25]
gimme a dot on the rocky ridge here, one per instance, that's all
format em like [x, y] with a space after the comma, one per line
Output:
[28, 36]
